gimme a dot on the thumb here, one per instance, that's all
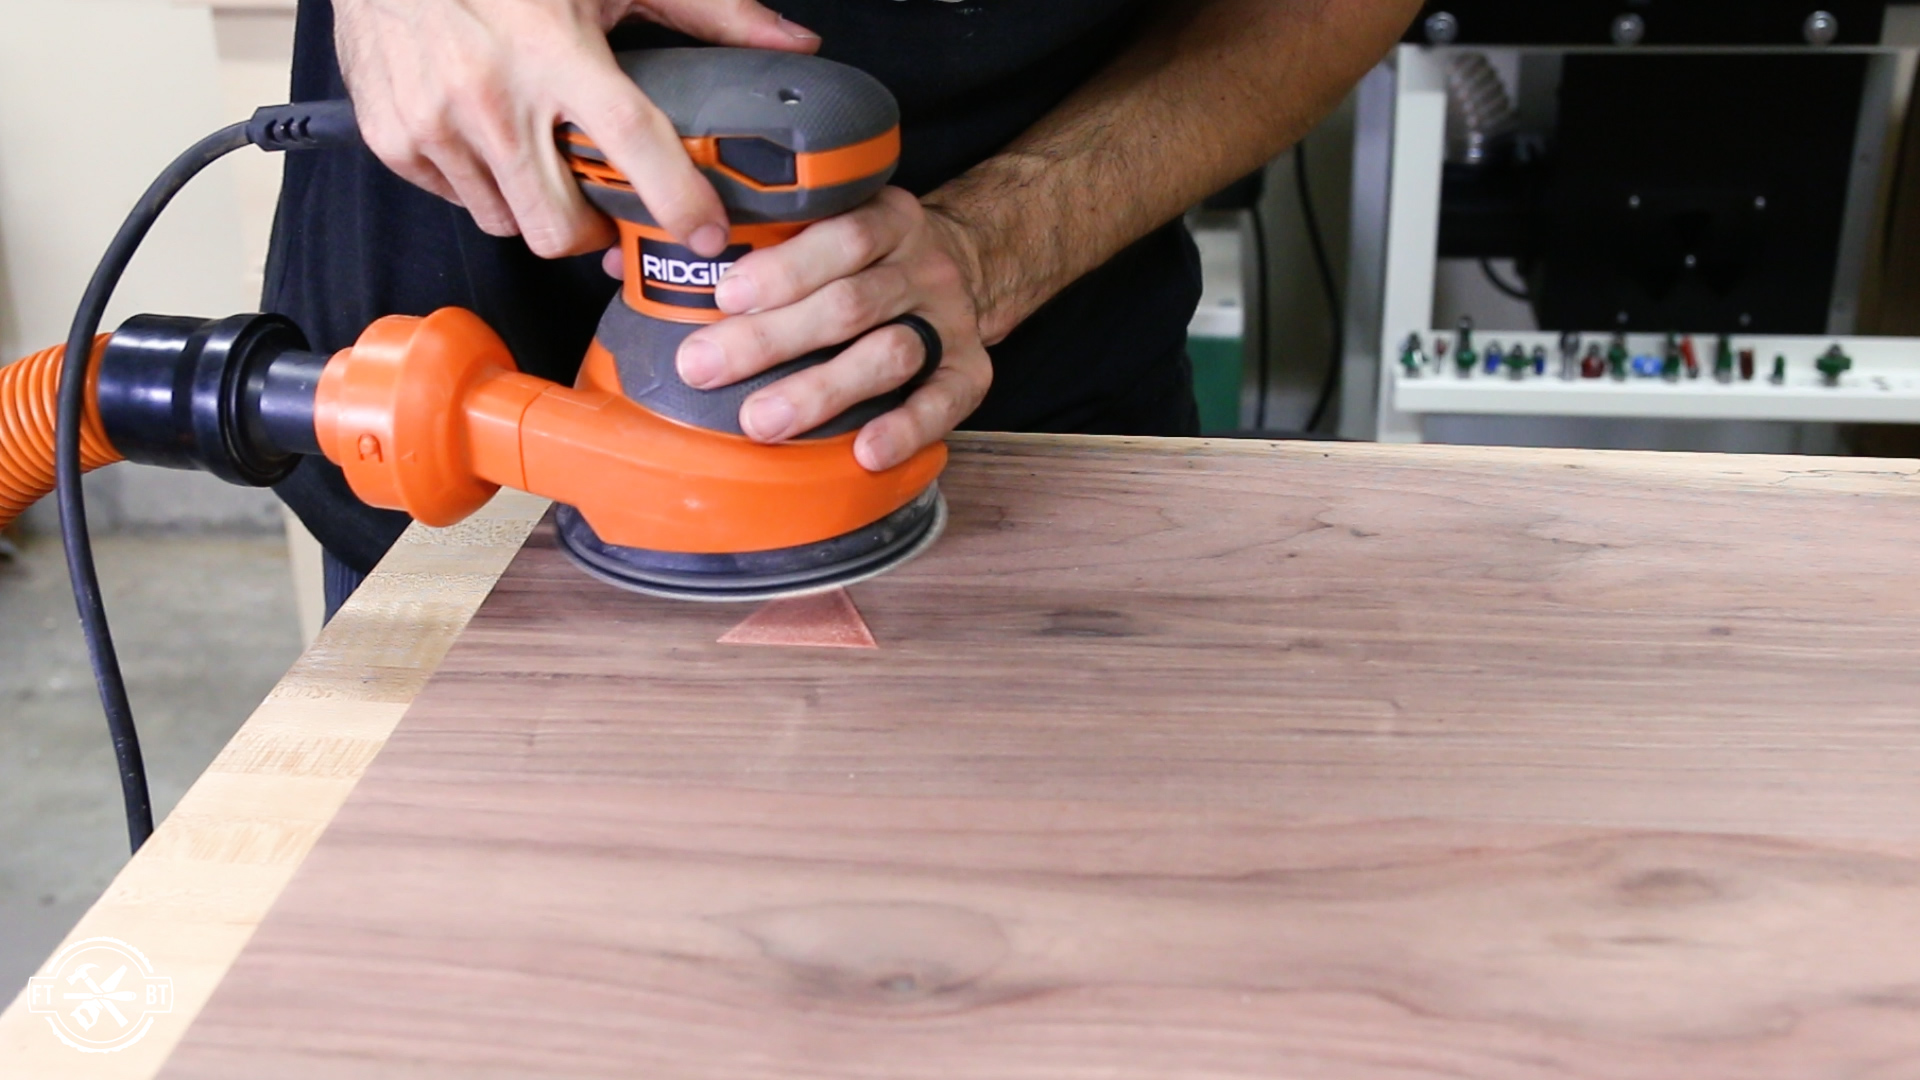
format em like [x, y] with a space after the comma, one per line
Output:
[744, 23]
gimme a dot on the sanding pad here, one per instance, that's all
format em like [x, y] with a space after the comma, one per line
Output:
[758, 575]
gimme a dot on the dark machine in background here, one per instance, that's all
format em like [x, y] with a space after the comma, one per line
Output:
[1672, 190]
[1576, 23]
[1695, 192]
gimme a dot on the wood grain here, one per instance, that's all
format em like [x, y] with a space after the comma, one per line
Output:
[1174, 759]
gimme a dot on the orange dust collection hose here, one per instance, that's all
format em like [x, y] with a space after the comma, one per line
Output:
[29, 389]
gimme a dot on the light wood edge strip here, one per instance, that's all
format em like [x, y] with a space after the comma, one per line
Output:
[1888, 476]
[193, 895]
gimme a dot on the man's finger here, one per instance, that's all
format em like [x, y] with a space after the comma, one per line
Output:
[386, 139]
[732, 22]
[734, 348]
[423, 148]
[836, 247]
[877, 363]
[422, 174]
[473, 187]
[640, 141]
[933, 410]
[541, 191]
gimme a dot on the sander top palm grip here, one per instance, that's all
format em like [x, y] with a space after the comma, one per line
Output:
[660, 491]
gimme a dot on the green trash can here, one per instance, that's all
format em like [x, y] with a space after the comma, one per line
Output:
[1215, 347]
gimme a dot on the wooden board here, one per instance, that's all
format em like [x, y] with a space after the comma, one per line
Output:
[1173, 759]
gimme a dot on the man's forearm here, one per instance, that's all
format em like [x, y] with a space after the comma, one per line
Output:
[1206, 95]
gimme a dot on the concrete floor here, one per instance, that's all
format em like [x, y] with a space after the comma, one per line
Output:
[205, 626]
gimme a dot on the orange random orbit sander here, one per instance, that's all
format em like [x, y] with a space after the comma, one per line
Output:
[658, 489]
[785, 140]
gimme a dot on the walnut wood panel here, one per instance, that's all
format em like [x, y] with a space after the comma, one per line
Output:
[1174, 759]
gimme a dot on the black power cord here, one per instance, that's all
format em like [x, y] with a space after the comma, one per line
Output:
[284, 127]
[73, 508]
[1260, 322]
[1336, 320]
[1512, 291]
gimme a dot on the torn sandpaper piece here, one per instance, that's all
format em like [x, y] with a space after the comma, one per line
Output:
[824, 620]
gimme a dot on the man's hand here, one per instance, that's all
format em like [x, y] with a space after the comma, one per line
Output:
[1207, 92]
[461, 97]
[834, 282]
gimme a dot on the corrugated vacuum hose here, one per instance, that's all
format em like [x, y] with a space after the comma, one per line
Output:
[29, 394]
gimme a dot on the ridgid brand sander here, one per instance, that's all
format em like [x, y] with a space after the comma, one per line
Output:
[658, 489]
[785, 140]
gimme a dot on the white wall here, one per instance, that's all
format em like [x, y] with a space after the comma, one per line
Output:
[96, 96]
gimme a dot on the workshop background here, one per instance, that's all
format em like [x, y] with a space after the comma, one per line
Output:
[213, 592]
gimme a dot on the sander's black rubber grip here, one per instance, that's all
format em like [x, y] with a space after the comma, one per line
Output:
[645, 352]
[758, 102]
[803, 103]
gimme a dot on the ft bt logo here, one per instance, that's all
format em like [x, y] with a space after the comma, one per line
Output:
[100, 995]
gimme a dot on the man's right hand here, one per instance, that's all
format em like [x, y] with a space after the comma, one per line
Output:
[462, 97]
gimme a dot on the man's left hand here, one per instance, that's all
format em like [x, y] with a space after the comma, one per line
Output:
[833, 282]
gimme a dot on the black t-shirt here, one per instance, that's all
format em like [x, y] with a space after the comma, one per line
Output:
[352, 242]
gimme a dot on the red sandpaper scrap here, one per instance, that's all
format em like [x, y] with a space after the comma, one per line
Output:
[824, 620]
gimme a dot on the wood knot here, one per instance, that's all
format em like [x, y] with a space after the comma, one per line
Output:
[1089, 623]
[886, 954]
[1669, 887]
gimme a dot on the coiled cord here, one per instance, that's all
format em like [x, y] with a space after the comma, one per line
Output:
[1478, 108]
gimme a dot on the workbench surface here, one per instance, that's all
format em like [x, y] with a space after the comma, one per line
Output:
[1175, 757]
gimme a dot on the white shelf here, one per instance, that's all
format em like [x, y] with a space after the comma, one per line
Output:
[1883, 386]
